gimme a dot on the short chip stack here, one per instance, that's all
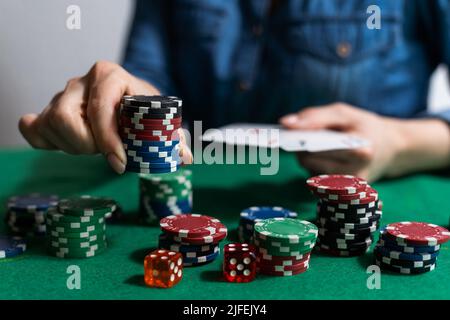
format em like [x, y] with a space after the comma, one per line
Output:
[165, 195]
[284, 245]
[77, 229]
[195, 236]
[409, 247]
[26, 214]
[250, 216]
[148, 127]
[348, 214]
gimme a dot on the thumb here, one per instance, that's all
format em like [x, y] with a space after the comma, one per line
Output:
[335, 116]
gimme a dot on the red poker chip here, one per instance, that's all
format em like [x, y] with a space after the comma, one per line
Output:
[209, 239]
[371, 196]
[141, 137]
[190, 225]
[167, 133]
[144, 121]
[140, 126]
[342, 197]
[417, 233]
[282, 273]
[337, 184]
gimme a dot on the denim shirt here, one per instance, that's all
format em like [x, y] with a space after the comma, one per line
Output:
[244, 60]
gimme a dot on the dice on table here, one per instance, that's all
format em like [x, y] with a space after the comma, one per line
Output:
[163, 268]
[239, 264]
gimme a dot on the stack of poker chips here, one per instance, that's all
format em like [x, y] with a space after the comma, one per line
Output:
[76, 228]
[11, 247]
[284, 246]
[409, 247]
[348, 214]
[148, 126]
[165, 195]
[250, 216]
[195, 236]
[26, 214]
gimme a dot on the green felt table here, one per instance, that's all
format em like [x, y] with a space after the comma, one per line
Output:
[220, 191]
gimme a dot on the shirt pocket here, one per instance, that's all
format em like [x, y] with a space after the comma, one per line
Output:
[340, 39]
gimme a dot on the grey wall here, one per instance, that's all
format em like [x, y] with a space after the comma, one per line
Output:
[38, 54]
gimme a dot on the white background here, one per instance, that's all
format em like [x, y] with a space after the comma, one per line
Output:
[38, 54]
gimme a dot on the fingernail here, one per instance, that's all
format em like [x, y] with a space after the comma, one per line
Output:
[291, 119]
[115, 163]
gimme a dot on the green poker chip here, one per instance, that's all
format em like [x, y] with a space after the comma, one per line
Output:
[57, 217]
[276, 245]
[282, 250]
[77, 241]
[285, 230]
[63, 253]
[77, 248]
[75, 228]
[87, 206]
[81, 234]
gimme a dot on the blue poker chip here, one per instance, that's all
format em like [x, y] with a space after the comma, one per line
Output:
[166, 242]
[158, 160]
[398, 255]
[11, 246]
[393, 245]
[132, 162]
[144, 143]
[149, 149]
[32, 202]
[202, 259]
[255, 214]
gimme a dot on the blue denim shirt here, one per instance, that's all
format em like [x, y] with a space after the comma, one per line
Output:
[244, 60]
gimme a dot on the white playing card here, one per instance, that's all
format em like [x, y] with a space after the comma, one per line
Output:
[274, 136]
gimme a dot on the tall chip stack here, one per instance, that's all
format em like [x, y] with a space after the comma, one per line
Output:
[284, 246]
[409, 247]
[195, 236]
[26, 214]
[348, 214]
[250, 216]
[76, 228]
[148, 127]
[165, 195]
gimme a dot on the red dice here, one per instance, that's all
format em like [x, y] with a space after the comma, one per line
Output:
[239, 263]
[163, 268]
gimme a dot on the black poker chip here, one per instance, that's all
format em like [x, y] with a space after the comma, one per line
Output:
[139, 115]
[154, 102]
[145, 110]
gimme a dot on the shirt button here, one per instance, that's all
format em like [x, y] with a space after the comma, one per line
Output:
[244, 86]
[344, 49]
[257, 30]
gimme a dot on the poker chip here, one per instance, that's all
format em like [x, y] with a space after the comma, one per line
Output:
[195, 236]
[336, 184]
[418, 233]
[348, 214]
[149, 129]
[86, 206]
[409, 247]
[165, 195]
[249, 216]
[283, 244]
[191, 225]
[11, 247]
[76, 228]
[26, 214]
[398, 255]
[286, 230]
[151, 102]
[403, 270]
